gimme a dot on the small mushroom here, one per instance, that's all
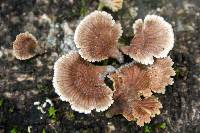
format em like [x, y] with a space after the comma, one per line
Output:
[114, 5]
[153, 38]
[25, 46]
[133, 81]
[82, 84]
[143, 110]
[160, 73]
[97, 37]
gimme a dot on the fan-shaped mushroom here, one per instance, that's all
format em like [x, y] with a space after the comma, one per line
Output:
[143, 110]
[114, 5]
[97, 37]
[25, 46]
[160, 73]
[132, 81]
[82, 84]
[153, 38]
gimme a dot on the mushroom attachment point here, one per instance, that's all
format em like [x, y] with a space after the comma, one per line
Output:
[133, 81]
[82, 84]
[97, 37]
[153, 38]
[114, 5]
[25, 46]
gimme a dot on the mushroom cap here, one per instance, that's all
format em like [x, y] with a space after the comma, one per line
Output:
[143, 110]
[153, 38]
[146, 79]
[97, 37]
[133, 81]
[133, 78]
[128, 102]
[24, 46]
[160, 73]
[81, 84]
[114, 5]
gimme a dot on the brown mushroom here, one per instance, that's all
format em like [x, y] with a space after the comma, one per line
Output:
[114, 5]
[143, 110]
[25, 46]
[97, 37]
[82, 84]
[133, 81]
[160, 73]
[153, 38]
[127, 101]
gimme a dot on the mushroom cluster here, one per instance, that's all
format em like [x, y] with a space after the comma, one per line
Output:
[82, 84]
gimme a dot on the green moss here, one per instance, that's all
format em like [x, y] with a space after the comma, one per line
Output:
[14, 130]
[84, 8]
[125, 40]
[86, 131]
[177, 70]
[11, 109]
[105, 62]
[70, 115]
[147, 129]
[152, 128]
[181, 72]
[52, 112]
[163, 125]
[1, 103]
[101, 6]
[29, 62]
[43, 130]
[42, 87]
[185, 73]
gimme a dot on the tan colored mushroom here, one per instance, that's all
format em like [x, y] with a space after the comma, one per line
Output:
[153, 38]
[114, 5]
[82, 84]
[25, 46]
[133, 81]
[127, 101]
[97, 37]
[160, 73]
[143, 110]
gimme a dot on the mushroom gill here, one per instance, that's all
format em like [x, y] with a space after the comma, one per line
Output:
[133, 81]
[97, 37]
[82, 84]
[153, 38]
[25, 46]
[160, 73]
